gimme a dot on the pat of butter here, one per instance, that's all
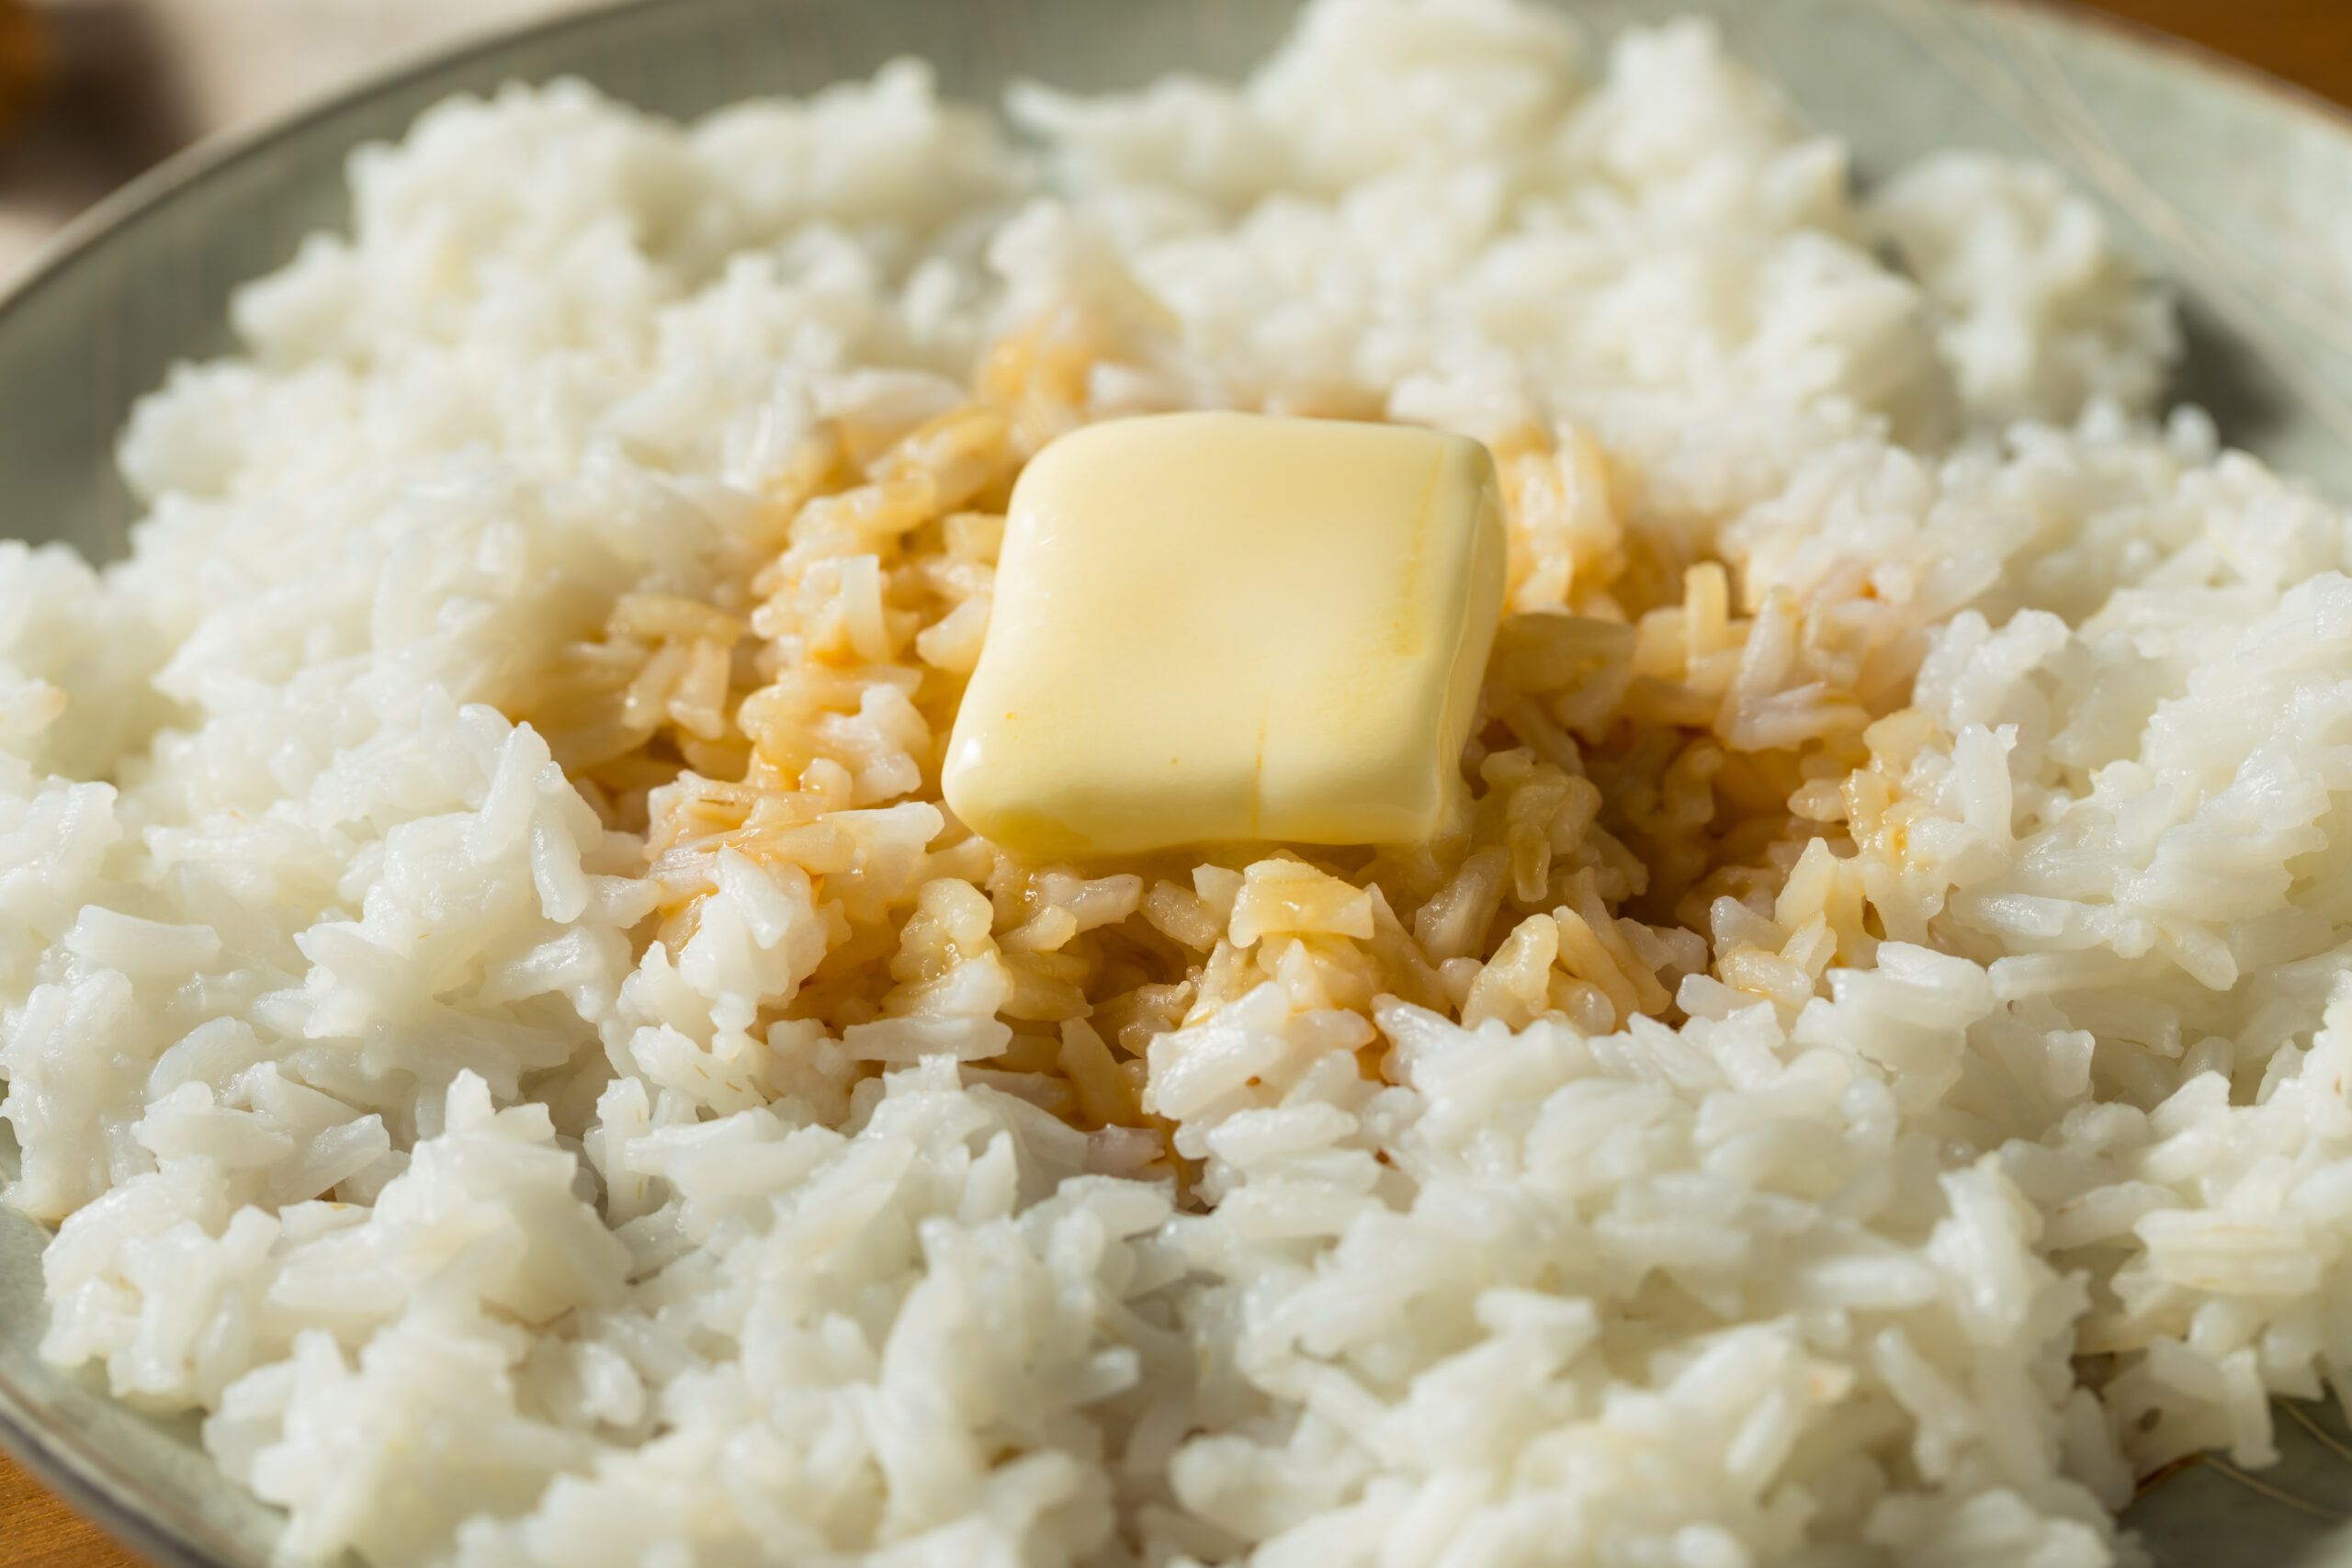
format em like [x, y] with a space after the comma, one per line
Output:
[1214, 628]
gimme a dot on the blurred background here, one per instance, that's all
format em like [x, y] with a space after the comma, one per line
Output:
[91, 92]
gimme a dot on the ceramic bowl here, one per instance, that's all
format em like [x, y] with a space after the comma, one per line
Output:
[2230, 185]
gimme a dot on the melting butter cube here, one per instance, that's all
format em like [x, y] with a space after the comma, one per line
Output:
[1214, 628]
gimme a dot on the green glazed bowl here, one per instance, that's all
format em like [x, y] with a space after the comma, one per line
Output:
[2230, 185]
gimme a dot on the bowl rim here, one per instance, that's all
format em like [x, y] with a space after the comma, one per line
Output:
[149, 1523]
[102, 1494]
[154, 186]
[2188, 54]
[71, 1464]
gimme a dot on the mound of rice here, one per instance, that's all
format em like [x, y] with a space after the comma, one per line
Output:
[505, 1029]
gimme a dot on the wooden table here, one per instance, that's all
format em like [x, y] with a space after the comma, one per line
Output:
[37, 1530]
[2306, 41]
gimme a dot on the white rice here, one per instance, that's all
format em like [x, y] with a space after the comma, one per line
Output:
[1677, 1181]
